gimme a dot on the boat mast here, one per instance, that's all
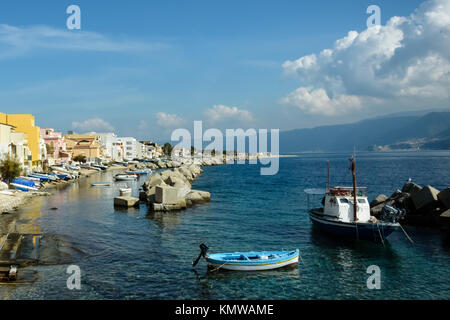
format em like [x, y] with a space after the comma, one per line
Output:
[355, 216]
[328, 186]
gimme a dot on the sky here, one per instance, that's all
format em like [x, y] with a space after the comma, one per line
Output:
[144, 68]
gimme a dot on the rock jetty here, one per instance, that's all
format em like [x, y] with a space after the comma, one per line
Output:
[171, 189]
[424, 206]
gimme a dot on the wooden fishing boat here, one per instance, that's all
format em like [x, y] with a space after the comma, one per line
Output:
[346, 213]
[249, 261]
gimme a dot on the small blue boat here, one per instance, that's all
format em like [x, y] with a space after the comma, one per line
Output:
[138, 172]
[249, 261]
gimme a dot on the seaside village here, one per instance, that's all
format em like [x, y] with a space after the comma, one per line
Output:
[46, 159]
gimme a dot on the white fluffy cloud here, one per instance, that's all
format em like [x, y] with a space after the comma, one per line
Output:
[221, 113]
[167, 120]
[318, 102]
[93, 124]
[405, 62]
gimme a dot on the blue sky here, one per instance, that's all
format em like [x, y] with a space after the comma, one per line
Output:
[141, 68]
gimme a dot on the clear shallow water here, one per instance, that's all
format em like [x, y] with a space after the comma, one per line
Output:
[134, 254]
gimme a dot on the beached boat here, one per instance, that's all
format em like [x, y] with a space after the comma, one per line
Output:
[100, 184]
[249, 261]
[346, 213]
[124, 177]
[24, 185]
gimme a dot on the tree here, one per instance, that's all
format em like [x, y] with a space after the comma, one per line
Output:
[80, 158]
[167, 149]
[10, 168]
[192, 150]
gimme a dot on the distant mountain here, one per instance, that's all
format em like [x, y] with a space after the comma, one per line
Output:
[382, 133]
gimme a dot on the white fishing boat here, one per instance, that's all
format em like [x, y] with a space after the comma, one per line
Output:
[125, 177]
[346, 213]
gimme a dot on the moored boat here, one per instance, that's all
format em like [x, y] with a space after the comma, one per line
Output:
[346, 213]
[101, 184]
[249, 261]
[124, 177]
[138, 172]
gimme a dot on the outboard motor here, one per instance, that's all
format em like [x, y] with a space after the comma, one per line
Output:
[203, 249]
[392, 214]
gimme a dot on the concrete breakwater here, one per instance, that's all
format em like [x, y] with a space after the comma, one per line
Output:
[422, 206]
[171, 189]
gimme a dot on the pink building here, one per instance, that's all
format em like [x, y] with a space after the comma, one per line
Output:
[56, 146]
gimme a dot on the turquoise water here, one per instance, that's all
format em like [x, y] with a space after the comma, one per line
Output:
[134, 254]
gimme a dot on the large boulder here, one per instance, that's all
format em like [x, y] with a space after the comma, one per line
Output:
[411, 188]
[444, 220]
[425, 197]
[196, 196]
[3, 186]
[126, 201]
[167, 195]
[380, 199]
[444, 197]
[161, 165]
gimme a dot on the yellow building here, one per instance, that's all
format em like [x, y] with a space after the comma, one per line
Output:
[25, 123]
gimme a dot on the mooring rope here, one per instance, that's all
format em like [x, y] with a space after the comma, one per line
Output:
[301, 258]
[381, 237]
[405, 233]
[217, 267]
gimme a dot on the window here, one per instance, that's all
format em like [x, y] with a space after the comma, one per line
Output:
[129, 148]
[362, 200]
[343, 200]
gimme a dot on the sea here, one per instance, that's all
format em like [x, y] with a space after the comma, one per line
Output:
[138, 254]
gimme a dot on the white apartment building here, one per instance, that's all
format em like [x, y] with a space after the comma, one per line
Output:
[112, 146]
[131, 148]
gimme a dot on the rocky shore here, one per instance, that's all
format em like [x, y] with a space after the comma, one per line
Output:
[171, 189]
[420, 206]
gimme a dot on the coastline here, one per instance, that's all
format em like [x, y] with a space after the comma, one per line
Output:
[10, 203]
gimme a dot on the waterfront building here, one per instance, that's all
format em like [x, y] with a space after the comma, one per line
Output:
[111, 147]
[55, 146]
[83, 144]
[25, 123]
[131, 148]
[15, 145]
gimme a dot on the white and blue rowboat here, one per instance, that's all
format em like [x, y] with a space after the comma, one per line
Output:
[250, 261]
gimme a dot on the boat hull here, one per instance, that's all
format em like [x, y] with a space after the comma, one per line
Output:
[356, 230]
[290, 259]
